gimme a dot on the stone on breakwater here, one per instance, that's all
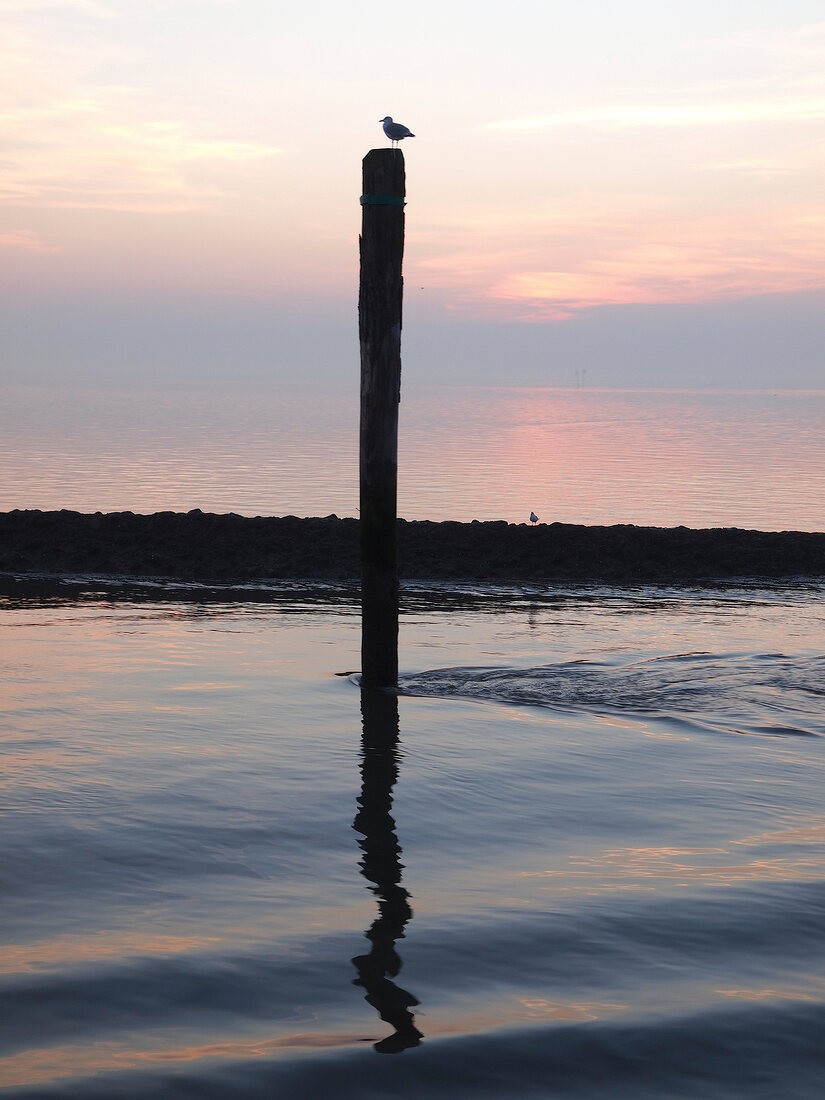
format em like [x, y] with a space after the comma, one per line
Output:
[207, 547]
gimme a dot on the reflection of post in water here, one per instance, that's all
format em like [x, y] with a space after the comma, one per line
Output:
[381, 864]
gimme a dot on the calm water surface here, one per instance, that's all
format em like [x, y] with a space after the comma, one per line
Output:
[592, 866]
[703, 459]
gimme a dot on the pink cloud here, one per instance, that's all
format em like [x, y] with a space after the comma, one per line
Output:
[27, 241]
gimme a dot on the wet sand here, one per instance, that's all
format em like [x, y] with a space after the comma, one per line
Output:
[227, 549]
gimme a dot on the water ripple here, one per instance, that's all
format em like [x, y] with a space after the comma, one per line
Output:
[737, 688]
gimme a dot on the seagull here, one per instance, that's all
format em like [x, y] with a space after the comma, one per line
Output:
[395, 131]
[533, 517]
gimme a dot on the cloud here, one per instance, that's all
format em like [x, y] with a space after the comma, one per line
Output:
[710, 114]
[26, 240]
[71, 139]
[776, 76]
[753, 166]
[96, 8]
[552, 264]
[114, 146]
[88, 7]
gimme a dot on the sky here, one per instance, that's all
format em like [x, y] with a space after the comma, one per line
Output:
[627, 194]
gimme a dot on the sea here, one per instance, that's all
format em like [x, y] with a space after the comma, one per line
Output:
[713, 458]
[579, 855]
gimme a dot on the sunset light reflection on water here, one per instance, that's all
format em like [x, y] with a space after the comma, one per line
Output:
[648, 457]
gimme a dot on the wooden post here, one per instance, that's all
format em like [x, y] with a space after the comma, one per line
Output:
[379, 324]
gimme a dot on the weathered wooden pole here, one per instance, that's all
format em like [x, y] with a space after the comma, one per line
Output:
[379, 324]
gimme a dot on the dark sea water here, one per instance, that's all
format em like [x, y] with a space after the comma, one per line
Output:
[581, 855]
[650, 457]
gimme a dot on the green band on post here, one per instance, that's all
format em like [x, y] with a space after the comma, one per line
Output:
[383, 200]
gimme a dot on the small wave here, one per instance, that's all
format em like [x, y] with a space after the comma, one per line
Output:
[762, 693]
[748, 1052]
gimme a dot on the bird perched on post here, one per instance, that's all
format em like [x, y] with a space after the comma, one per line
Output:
[395, 131]
[533, 517]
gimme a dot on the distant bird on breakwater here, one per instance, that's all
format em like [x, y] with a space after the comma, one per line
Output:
[395, 131]
[533, 517]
